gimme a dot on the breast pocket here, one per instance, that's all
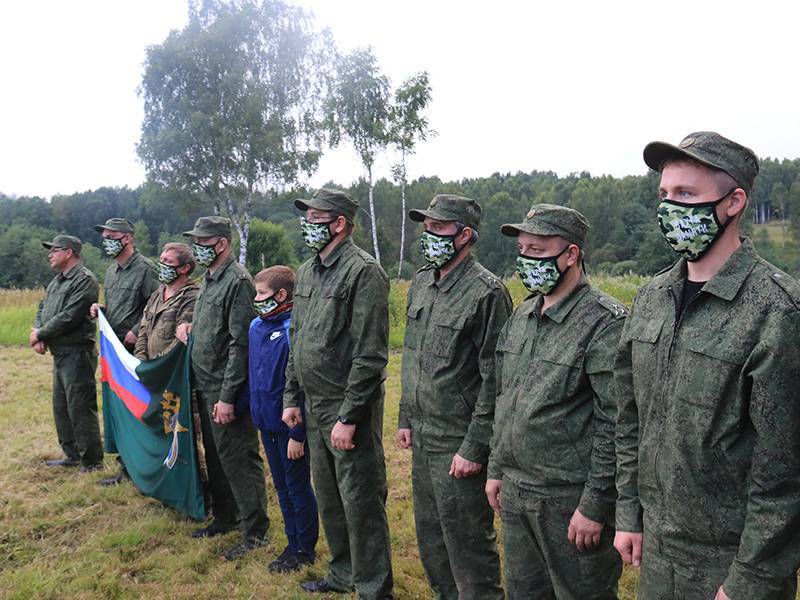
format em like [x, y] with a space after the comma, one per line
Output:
[712, 366]
[644, 336]
[509, 353]
[445, 334]
[413, 326]
[560, 366]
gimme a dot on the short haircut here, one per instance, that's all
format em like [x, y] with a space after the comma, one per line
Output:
[183, 252]
[277, 277]
[724, 182]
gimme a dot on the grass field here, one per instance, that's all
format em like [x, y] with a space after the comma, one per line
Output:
[63, 536]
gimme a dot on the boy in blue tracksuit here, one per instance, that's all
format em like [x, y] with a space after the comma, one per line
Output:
[286, 449]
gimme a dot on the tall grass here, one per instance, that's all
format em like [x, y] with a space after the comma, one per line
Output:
[17, 312]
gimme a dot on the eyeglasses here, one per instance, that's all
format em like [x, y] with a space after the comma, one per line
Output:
[54, 250]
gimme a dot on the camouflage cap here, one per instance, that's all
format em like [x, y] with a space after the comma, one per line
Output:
[116, 224]
[449, 207]
[64, 241]
[551, 219]
[329, 199]
[210, 227]
[710, 149]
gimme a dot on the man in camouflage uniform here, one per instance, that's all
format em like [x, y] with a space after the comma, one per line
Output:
[221, 321]
[551, 470]
[128, 283]
[456, 309]
[708, 431]
[63, 326]
[337, 356]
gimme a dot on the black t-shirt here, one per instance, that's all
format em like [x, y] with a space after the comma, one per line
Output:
[690, 290]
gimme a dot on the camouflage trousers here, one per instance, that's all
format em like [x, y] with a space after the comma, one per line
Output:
[541, 563]
[235, 471]
[75, 405]
[662, 577]
[351, 494]
[455, 529]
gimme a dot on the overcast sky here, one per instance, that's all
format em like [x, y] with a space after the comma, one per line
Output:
[517, 86]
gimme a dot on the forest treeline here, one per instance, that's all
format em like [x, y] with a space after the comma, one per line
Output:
[624, 236]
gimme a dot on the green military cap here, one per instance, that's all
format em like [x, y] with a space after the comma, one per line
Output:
[449, 207]
[64, 241]
[711, 149]
[210, 227]
[551, 219]
[332, 200]
[116, 224]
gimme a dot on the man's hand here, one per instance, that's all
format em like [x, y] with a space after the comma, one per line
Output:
[292, 417]
[94, 308]
[182, 332]
[629, 546]
[342, 436]
[461, 467]
[223, 413]
[493, 489]
[721, 595]
[295, 450]
[583, 532]
[40, 347]
[33, 338]
[130, 339]
[404, 438]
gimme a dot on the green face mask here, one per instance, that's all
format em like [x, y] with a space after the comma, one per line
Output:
[167, 273]
[691, 229]
[204, 255]
[112, 247]
[266, 306]
[540, 275]
[316, 235]
[437, 250]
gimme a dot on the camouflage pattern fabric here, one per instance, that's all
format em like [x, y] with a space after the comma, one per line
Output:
[448, 390]
[689, 229]
[127, 288]
[436, 249]
[709, 422]
[315, 235]
[337, 356]
[538, 275]
[160, 320]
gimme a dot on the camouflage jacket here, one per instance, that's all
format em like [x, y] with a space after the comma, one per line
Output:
[127, 289]
[63, 316]
[222, 314]
[708, 431]
[339, 334]
[161, 318]
[556, 407]
[448, 373]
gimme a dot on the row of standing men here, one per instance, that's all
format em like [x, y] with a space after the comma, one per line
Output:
[667, 437]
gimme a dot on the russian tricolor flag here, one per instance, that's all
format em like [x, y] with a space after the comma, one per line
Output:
[118, 370]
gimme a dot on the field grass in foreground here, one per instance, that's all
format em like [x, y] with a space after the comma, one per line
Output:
[64, 536]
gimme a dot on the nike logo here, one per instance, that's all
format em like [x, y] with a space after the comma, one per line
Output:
[275, 335]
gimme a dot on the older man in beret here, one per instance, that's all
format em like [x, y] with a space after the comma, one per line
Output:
[551, 471]
[63, 326]
[708, 433]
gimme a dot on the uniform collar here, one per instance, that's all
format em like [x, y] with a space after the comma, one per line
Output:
[220, 269]
[559, 311]
[71, 273]
[337, 252]
[453, 276]
[728, 280]
[128, 262]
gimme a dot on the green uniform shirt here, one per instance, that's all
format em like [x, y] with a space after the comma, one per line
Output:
[127, 289]
[161, 318]
[63, 317]
[556, 407]
[339, 333]
[448, 373]
[222, 315]
[708, 432]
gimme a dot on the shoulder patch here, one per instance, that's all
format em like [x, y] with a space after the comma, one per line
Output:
[669, 268]
[491, 281]
[788, 284]
[615, 307]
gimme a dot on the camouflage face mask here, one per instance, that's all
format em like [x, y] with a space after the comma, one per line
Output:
[691, 229]
[204, 255]
[265, 306]
[540, 275]
[167, 273]
[316, 235]
[437, 250]
[112, 247]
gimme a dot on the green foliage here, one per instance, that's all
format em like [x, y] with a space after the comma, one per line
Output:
[269, 245]
[23, 260]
